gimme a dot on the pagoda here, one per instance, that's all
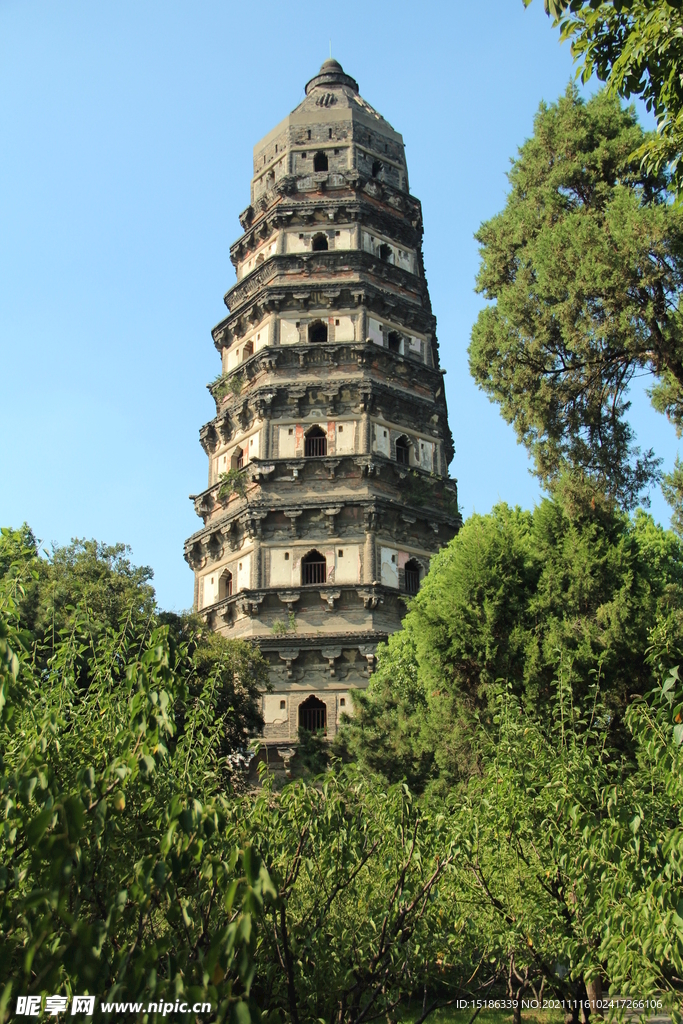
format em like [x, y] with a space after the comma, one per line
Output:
[328, 489]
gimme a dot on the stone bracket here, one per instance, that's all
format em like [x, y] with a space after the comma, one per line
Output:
[330, 654]
[330, 596]
[293, 516]
[288, 657]
[251, 605]
[261, 472]
[330, 514]
[367, 651]
[370, 598]
[251, 521]
[289, 597]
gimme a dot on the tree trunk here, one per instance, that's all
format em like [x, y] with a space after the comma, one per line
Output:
[594, 995]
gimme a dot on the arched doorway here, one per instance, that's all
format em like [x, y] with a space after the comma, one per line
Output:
[320, 162]
[313, 715]
[237, 459]
[313, 569]
[225, 585]
[315, 445]
[403, 451]
[394, 341]
[317, 332]
[376, 168]
[412, 571]
[320, 243]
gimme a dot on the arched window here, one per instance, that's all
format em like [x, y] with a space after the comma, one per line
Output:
[385, 253]
[225, 585]
[259, 259]
[313, 569]
[376, 168]
[237, 459]
[317, 332]
[403, 451]
[313, 715]
[394, 341]
[319, 243]
[316, 443]
[320, 162]
[248, 350]
[412, 571]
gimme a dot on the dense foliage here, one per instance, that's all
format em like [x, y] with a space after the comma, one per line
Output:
[130, 868]
[636, 47]
[569, 591]
[583, 268]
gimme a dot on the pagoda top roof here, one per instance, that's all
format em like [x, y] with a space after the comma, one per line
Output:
[332, 95]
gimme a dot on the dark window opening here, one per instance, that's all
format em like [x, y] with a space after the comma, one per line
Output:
[385, 252]
[309, 135]
[319, 243]
[248, 350]
[412, 571]
[237, 460]
[313, 569]
[376, 167]
[403, 451]
[315, 444]
[394, 341]
[329, 133]
[283, 705]
[317, 332]
[225, 585]
[313, 715]
[320, 162]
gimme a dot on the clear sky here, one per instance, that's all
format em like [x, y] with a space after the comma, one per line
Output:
[127, 129]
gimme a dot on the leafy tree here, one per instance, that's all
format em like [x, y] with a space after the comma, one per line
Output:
[85, 574]
[361, 922]
[584, 268]
[235, 675]
[573, 857]
[522, 597]
[122, 872]
[636, 47]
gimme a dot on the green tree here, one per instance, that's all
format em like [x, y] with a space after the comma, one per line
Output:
[572, 857]
[520, 597]
[122, 871]
[99, 579]
[636, 47]
[583, 268]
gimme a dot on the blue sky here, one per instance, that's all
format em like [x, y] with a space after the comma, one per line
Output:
[127, 129]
